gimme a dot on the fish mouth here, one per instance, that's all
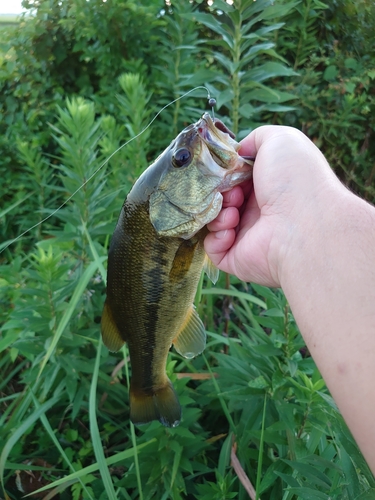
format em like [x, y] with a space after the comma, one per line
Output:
[223, 149]
[215, 125]
[220, 141]
[217, 138]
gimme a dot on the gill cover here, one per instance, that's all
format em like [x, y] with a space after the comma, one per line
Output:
[201, 164]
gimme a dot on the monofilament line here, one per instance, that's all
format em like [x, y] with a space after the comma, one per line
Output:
[105, 163]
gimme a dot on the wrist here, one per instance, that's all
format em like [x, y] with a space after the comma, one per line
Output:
[316, 236]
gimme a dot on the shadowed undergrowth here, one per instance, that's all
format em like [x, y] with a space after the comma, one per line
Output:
[257, 420]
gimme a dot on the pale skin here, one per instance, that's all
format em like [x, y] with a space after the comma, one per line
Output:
[297, 227]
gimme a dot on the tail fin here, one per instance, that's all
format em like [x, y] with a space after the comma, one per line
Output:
[162, 405]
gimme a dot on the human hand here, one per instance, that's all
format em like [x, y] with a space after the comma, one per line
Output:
[265, 221]
[296, 226]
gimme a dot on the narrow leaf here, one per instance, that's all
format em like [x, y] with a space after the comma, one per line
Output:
[94, 430]
[20, 431]
[68, 313]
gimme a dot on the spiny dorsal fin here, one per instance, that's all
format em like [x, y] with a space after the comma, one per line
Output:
[191, 339]
[111, 336]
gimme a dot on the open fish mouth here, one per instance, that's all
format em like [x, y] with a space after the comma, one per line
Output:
[207, 123]
[221, 126]
[220, 141]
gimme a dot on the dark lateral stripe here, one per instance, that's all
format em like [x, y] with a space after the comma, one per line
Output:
[155, 288]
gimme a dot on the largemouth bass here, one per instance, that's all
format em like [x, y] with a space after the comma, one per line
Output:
[156, 257]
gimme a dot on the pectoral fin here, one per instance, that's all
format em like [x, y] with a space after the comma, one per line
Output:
[211, 270]
[191, 339]
[182, 260]
[110, 333]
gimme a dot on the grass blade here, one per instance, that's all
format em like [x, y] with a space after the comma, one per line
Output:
[261, 446]
[80, 288]
[97, 259]
[221, 399]
[18, 433]
[134, 438]
[119, 457]
[14, 205]
[235, 293]
[55, 441]
[94, 430]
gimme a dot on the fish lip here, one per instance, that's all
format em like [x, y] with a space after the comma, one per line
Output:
[202, 127]
[209, 122]
[221, 126]
[215, 123]
[214, 133]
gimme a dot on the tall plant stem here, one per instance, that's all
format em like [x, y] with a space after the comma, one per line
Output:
[236, 55]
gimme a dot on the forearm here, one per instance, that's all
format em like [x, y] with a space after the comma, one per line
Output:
[302, 230]
[329, 280]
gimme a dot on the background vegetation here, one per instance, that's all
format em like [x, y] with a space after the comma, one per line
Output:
[77, 80]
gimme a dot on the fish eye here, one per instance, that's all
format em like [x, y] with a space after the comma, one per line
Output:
[181, 158]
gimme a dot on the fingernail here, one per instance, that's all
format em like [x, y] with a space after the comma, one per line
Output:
[221, 234]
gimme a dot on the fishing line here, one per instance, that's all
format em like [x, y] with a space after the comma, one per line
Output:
[210, 102]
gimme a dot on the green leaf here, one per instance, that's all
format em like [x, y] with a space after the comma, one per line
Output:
[14, 205]
[21, 430]
[289, 480]
[330, 73]
[270, 477]
[213, 24]
[268, 95]
[268, 70]
[8, 339]
[225, 452]
[258, 383]
[367, 495]
[309, 493]
[80, 288]
[235, 293]
[353, 484]
[246, 110]
[95, 433]
[56, 442]
[312, 474]
[114, 459]
[351, 63]
[223, 98]
[227, 63]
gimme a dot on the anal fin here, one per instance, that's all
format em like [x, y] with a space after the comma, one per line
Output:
[191, 340]
[110, 333]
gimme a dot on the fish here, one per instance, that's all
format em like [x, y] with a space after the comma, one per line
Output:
[156, 257]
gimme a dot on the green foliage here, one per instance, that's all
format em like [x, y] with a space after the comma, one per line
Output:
[244, 56]
[80, 79]
[67, 48]
[335, 87]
